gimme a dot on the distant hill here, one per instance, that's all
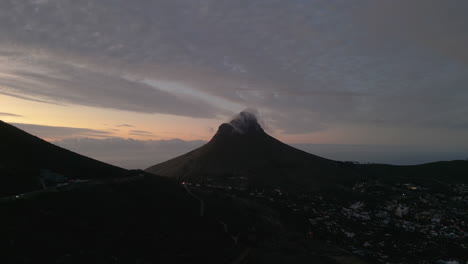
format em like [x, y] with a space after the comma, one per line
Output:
[445, 172]
[242, 153]
[24, 157]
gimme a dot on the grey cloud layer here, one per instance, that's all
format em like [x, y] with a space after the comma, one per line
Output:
[130, 153]
[306, 64]
[61, 132]
[61, 82]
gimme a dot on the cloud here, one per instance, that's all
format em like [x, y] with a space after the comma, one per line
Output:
[24, 97]
[124, 125]
[48, 132]
[129, 153]
[245, 121]
[436, 26]
[10, 115]
[306, 65]
[59, 82]
[140, 133]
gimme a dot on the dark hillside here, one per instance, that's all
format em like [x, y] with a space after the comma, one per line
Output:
[23, 157]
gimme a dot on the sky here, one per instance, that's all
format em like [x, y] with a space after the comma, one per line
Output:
[378, 81]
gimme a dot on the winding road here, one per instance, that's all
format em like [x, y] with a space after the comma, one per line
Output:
[202, 203]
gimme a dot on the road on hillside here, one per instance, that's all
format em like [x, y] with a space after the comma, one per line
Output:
[202, 203]
[68, 187]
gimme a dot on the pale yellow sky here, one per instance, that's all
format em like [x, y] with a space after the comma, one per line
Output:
[161, 126]
[65, 115]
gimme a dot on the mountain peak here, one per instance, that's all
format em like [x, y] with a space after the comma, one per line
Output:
[242, 154]
[242, 124]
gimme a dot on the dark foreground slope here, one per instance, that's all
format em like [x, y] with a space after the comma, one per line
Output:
[149, 219]
[24, 156]
[241, 151]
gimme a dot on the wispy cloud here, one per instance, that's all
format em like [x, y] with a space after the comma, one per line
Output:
[54, 132]
[10, 115]
[140, 131]
[125, 125]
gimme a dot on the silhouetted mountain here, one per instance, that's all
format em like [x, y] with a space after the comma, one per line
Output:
[242, 151]
[25, 158]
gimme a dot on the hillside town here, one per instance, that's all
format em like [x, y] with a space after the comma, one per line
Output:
[379, 222]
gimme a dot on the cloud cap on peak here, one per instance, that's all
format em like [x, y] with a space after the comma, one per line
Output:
[245, 122]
